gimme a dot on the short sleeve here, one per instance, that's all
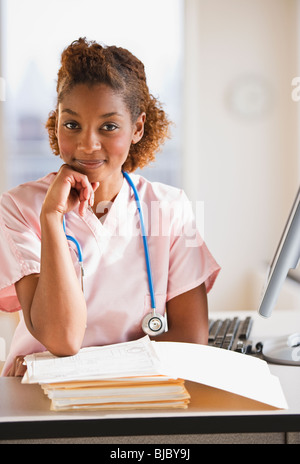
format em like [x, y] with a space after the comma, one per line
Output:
[20, 248]
[190, 263]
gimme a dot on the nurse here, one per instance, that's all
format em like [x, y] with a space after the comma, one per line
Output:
[105, 122]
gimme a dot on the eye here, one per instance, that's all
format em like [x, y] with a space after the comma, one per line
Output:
[109, 126]
[71, 125]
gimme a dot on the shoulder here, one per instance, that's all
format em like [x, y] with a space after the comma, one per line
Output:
[25, 191]
[27, 197]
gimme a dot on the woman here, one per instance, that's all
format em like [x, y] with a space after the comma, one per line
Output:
[105, 123]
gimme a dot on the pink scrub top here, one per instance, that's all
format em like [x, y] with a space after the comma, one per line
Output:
[115, 276]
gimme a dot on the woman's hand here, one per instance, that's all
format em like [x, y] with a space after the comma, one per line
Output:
[18, 368]
[68, 190]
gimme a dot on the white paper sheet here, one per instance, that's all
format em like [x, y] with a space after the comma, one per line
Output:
[111, 361]
[224, 369]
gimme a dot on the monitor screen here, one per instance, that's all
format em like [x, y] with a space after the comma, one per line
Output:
[286, 258]
[283, 349]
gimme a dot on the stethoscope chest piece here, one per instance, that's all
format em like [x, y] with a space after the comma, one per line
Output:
[154, 324]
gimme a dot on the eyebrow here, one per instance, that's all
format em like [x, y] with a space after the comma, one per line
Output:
[106, 115]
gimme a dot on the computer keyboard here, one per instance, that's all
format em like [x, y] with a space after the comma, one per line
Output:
[231, 334]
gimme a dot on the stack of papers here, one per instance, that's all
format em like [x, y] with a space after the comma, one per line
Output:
[148, 374]
[121, 376]
[132, 393]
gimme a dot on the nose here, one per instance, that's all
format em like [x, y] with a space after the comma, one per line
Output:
[89, 141]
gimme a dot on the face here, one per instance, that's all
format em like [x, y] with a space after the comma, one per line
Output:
[95, 131]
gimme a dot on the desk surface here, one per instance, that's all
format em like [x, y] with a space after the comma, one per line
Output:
[25, 411]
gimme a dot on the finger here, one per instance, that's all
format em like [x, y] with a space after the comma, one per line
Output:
[85, 196]
[95, 185]
[83, 206]
[85, 193]
[81, 185]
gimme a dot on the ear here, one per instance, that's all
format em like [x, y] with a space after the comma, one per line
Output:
[55, 130]
[139, 128]
[56, 122]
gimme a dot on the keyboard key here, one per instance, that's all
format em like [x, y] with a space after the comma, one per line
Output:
[231, 334]
[233, 327]
[246, 328]
[215, 327]
[240, 347]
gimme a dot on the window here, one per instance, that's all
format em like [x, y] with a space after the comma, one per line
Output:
[35, 32]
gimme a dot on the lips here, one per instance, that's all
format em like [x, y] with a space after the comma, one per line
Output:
[90, 164]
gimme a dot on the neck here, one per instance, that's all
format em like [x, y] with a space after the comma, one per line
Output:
[108, 189]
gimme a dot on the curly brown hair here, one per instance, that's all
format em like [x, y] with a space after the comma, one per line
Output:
[87, 62]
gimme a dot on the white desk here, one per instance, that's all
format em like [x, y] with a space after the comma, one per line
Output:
[25, 413]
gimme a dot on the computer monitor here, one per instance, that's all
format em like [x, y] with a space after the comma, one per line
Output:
[285, 349]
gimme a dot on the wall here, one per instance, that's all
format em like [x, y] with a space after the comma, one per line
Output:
[2, 167]
[241, 139]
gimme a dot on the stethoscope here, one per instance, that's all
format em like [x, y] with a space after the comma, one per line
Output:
[153, 323]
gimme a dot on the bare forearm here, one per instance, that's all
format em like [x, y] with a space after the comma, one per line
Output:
[58, 309]
[53, 304]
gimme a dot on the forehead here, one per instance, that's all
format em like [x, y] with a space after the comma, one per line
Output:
[98, 97]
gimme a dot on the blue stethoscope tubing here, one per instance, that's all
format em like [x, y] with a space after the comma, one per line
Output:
[153, 323]
[72, 239]
[145, 242]
[79, 251]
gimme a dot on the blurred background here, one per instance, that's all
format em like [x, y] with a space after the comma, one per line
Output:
[223, 70]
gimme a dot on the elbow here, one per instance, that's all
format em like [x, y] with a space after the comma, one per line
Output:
[64, 345]
[64, 349]
[61, 340]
